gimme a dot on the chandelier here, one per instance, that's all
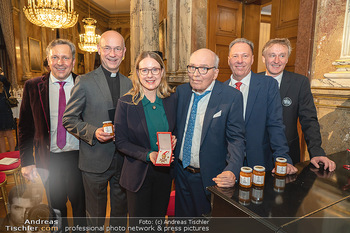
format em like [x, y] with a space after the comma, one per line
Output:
[89, 40]
[51, 13]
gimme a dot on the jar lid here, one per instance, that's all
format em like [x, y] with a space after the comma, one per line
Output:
[259, 168]
[281, 160]
[246, 169]
[107, 122]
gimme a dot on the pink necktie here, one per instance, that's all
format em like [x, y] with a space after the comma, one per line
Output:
[61, 131]
[238, 85]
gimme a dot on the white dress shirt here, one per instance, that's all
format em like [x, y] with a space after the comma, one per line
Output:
[72, 143]
[244, 89]
[197, 133]
[278, 78]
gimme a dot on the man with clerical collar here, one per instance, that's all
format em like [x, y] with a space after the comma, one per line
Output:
[40, 127]
[262, 109]
[93, 101]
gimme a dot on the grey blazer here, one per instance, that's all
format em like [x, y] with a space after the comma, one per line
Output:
[86, 109]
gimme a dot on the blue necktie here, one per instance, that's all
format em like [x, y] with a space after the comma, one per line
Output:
[186, 154]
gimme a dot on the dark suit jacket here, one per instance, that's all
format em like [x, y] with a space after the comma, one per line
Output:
[263, 123]
[86, 111]
[34, 122]
[298, 102]
[132, 138]
[222, 140]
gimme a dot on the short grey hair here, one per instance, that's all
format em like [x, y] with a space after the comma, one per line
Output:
[216, 57]
[61, 42]
[280, 41]
[216, 61]
[242, 40]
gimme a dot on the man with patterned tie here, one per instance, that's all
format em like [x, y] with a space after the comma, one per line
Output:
[210, 132]
[262, 109]
[40, 126]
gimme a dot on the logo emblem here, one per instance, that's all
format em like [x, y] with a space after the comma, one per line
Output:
[286, 102]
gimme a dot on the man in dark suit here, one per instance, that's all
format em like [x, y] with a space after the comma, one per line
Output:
[297, 102]
[210, 133]
[40, 126]
[94, 98]
[262, 109]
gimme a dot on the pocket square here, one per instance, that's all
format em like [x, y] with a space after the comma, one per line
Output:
[217, 114]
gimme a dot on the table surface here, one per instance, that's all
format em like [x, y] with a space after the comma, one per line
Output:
[308, 193]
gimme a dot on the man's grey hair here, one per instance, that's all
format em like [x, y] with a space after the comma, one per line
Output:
[216, 61]
[61, 42]
[216, 57]
[242, 40]
[280, 41]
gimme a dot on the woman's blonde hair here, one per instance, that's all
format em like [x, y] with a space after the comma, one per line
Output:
[136, 91]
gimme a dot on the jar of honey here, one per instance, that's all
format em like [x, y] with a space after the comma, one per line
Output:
[281, 166]
[244, 196]
[257, 195]
[108, 127]
[279, 184]
[245, 177]
[259, 176]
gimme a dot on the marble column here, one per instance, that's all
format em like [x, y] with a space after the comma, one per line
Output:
[144, 27]
[172, 39]
[343, 63]
[17, 33]
[187, 30]
[23, 21]
[331, 85]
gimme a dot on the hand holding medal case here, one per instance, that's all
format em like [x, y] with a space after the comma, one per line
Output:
[164, 149]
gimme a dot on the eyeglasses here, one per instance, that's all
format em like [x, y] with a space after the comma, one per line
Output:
[108, 49]
[145, 71]
[201, 70]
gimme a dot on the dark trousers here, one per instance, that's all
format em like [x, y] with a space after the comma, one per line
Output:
[191, 199]
[65, 182]
[152, 199]
[95, 185]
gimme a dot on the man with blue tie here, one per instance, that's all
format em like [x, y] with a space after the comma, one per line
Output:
[210, 133]
[262, 109]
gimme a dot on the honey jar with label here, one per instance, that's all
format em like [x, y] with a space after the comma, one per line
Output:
[257, 195]
[279, 184]
[245, 177]
[281, 166]
[108, 127]
[259, 176]
[244, 196]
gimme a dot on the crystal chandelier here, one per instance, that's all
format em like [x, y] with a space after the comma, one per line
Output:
[51, 13]
[89, 40]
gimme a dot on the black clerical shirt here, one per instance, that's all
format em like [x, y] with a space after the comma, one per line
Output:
[114, 85]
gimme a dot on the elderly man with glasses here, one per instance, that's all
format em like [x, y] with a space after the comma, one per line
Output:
[210, 133]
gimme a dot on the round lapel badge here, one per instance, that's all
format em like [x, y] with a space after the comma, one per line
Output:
[286, 101]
